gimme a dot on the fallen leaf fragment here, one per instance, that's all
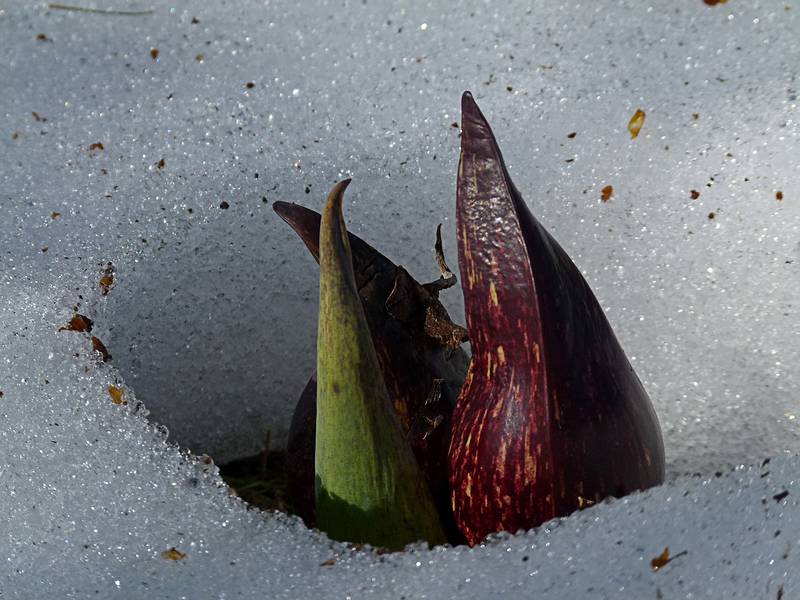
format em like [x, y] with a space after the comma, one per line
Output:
[42, 37]
[154, 53]
[78, 323]
[714, 2]
[173, 554]
[660, 560]
[98, 346]
[329, 563]
[160, 164]
[117, 394]
[96, 146]
[636, 122]
[606, 193]
[779, 195]
[107, 280]
[55, 215]
[572, 135]
[694, 194]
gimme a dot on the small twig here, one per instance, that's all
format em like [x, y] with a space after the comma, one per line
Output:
[448, 278]
[102, 11]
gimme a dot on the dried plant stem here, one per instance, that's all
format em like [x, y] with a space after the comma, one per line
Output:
[102, 11]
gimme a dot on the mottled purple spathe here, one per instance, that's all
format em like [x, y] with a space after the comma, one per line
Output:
[552, 417]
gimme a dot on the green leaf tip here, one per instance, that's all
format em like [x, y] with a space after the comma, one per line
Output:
[368, 485]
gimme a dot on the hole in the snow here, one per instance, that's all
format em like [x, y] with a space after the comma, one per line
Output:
[215, 333]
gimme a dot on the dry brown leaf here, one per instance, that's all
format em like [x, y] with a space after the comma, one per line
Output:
[636, 122]
[661, 560]
[173, 554]
[606, 193]
[78, 323]
[98, 346]
[107, 280]
[117, 394]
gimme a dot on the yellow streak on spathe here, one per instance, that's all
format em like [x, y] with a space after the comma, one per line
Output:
[501, 355]
[479, 431]
[498, 408]
[501, 460]
[530, 468]
[493, 293]
[556, 407]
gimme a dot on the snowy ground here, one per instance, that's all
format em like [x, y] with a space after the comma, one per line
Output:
[210, 320]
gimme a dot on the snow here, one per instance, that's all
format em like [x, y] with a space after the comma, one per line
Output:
[210, 321]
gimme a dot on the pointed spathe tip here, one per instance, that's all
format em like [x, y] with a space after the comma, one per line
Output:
[336, 196]
[340, 187]
[467, 101]
[333, 231]
[470, 113]
[473, 124]
[283, 209]
[304, 221]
